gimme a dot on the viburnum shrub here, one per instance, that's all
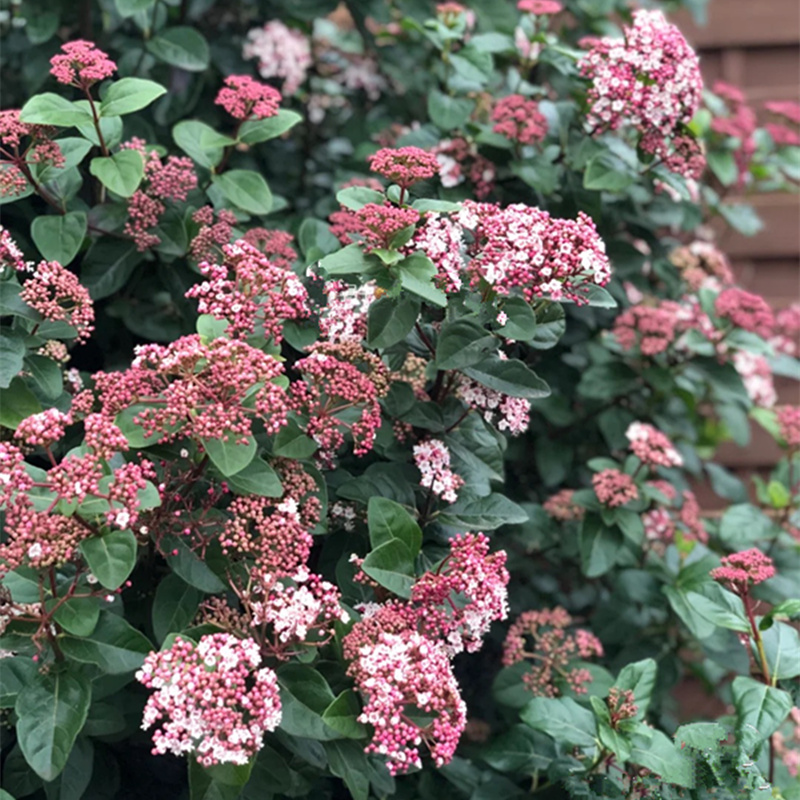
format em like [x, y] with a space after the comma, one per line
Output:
[361, 368]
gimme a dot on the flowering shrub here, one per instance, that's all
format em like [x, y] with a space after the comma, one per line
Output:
[360, 378]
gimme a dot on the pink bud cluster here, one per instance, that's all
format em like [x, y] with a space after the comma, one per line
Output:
[276, 245]
[210, 699]
[57, 294]
[336, 378]
[379, 224]
[459, 160]
[281, 52]
[649, 80]
[787, 327]
[542, 638]
[621, 705]
[441, 239]
[523, 248]
[198, 390]
[702, 265]
[81, 64]
[756, 374]
[539, 7]
[782, 134]
[506, 413]
[299, 610]
[745, 310]
[344, 317]
[739, 124]
[404, 166]
[518, 118]
[245, 98]
[15, 159]
[172, 179]
[745, 569]
[650, 329]
[662, 522]
[432, 458]
[614, 488]
[400, 653]
[561, 506]
[651, 446]
[247, 289]
[216, 229]
[10, 254]
[789, 425]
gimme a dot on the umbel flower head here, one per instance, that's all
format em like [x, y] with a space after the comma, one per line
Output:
[81, 64]
[745, 569]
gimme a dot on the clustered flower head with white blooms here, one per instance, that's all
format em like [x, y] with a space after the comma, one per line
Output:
[210, 699]
[432, 458]
[281, 52]
[651, 446]
[507, 413]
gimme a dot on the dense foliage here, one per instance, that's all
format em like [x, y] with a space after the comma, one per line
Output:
[358, 372]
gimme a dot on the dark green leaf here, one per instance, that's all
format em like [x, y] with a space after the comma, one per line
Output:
[121, 173]
[341, 715]
[231, 456]
[291, 442]
[18, 403]
[260, 130]
[599, 546]
[78, 615]
[59, 236]
[390, 319]
[107, 266]
[448, 112]
[246, 190]
[201, 142]
[348, 762]
[12, 358]
[257, 477]
[185, 562]
[416, 276]
[114, 646]
[463, 343]
[111, 557]
[509, 376]
[562, 719]
[182, 47]
[392, 566]
[388, 520]
[128, 95]
[52, 109]
[174, 606]
[46, 374]
[483, 513]
[356, 197]
[760, 710]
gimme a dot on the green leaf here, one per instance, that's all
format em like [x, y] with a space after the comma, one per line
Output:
[640, 678]
[760, 710]
[725, 609]
[115, 646]
[356, 197]
[448, 112]
[660, 755]
[291, 442]
[305, 696]
[46, 374]
[603, 174]
[483, 513]
[509, 376]
[59, 236]
[16, 672]
[246, 189]
[18, 404]
[562, 719]
[599, 545]
[390, 319]
[723, 165]
[201, 142]
[350, 260]
[121, 173]
[348, 761]
[78, 615]
[392, 566]
[108, 265]
[463, 343]
[204, 786]
[185, 562]
[52, 109]
[611, 738]
[388, 520]
[516, 750]
[51, 712]
[701, 735]
[182, 47]
[743, 525]
[129, 95]
[416, 275]
[110, 557]
[782, 646]
[521, 322]
[341, 715]
[174, 606]
[254, 131]
[12, 358]
[257, 477]
[127, 8]
[550, 326]
[231, 456]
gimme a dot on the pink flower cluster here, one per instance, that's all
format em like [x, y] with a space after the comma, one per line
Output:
[216, 229]
[787, 327]
[338, 377]
[740, 124]
[245, 98]
[459, 160]
[789, 424]
[650, 80]
[344, 317]
[15, 160]
[432, 459]
[518, 118]
[561, 506]
[198, 390]
[651, 329]
[172, 179]
[756, 374]
[442, 240]
[247, 289]
[745, 310]
[506, 413]
[621, 705]
[542, 638]
[404, 166]
[662, 523]
[702, 265]
[210, 699]
[281, 52]
[57, 294]
[10, 254]
[524, 248]
[379, 224]
[81, 64]
[745, 569]
[614, 488]
[276, 245]
[400, 653]
[539, 7]
[651, 446]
